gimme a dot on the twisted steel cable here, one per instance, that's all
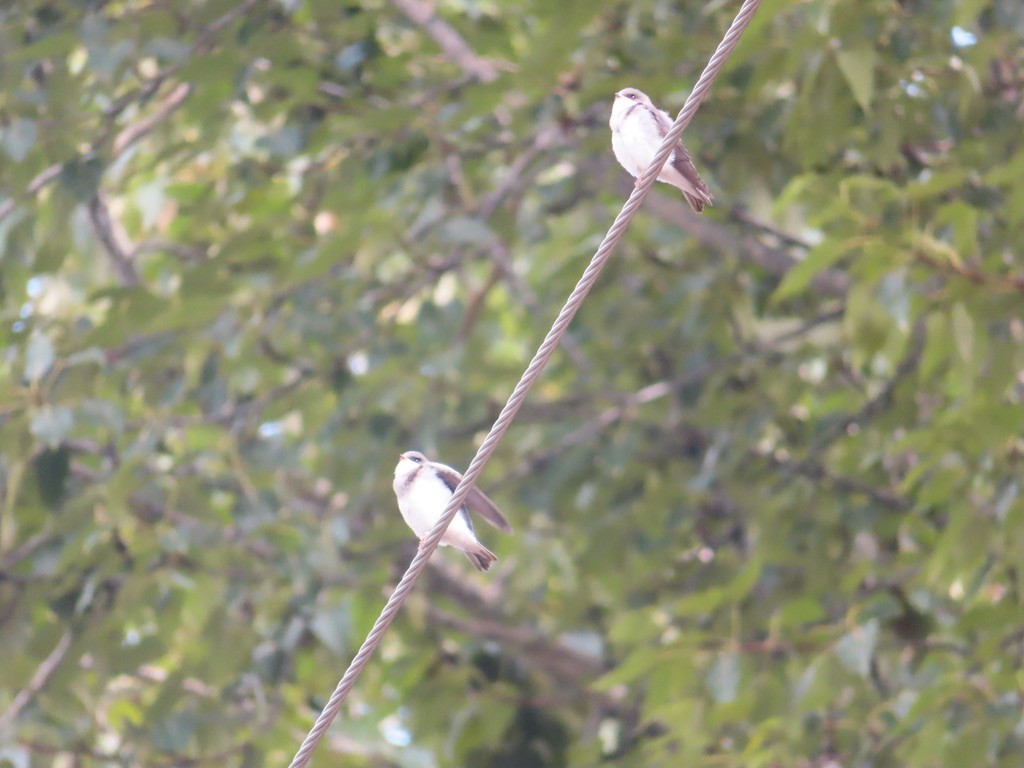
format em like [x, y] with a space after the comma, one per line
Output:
[529, 377]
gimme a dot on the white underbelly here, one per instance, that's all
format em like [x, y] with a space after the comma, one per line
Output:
[422, 509]
[634, 156]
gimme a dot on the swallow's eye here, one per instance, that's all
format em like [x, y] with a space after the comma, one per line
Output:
[414, 459]
[631, 96]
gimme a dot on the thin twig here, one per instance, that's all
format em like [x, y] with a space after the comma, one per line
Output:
[880, 401]
[653, 392]
[130, 134]
[424, 15]
[40, 181]
[1002, 283]
[115, 241]
[811, 470]
[26, 548]
[136, 131]
[42, 675]
[774, 261]
[561, 662]
[743, 216]
[201, 45]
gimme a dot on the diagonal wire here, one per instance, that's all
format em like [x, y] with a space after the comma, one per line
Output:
[530, 376]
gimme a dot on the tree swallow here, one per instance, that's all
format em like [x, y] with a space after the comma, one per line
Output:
[638, 128]
[424, 488]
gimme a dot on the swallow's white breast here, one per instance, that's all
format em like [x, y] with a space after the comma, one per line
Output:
[422, 503]
[635, 137]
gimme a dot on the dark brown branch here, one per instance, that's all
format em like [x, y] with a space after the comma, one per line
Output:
[743, 216]
[186, 253]
[26, 548]
[884, 497]
[201, 45]
[1004, 283]
[40, 181]
[516, 176]
[115, 241]
[880, 401]
[41, 677]
[133, 133]
[136, 131]
[563, 664]
[423, 14]
[630, 402]
[515, 179]
[774, 261]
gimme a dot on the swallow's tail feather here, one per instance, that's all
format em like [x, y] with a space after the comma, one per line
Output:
[696, 202]
[481, 557]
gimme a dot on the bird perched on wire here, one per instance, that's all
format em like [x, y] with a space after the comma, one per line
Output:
[424, 487]
[638, 128]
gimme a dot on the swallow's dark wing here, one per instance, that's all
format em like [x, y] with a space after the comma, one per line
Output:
[680, 160]
[476, 499]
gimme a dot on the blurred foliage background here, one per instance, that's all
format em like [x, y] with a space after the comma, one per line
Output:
[767, 497]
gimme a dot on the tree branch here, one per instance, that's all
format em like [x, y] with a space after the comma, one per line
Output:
[131, 134]
[880, 401]
[40, 181]
[1004, 283]
[115, 241]
[884, 497]
[39, 679]
[659, 389]
[136, 131]
[774, 261]
[562, 663]
[423, 14]
[203, 42]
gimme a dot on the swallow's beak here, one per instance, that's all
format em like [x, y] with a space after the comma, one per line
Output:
[618, 94]
[401, 457]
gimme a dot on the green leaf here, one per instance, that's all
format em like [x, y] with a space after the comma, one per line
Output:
[857, 647]
[18, 138]
[963, 332]
[81, 176]
[858, 67]
[39, 356]
[710, 599]
[51, 467]
[51, 424]
[724, 677]
[817, 259]
[637, 665]
[937, 346]
[801, 611]
[464, 230]
[332, 625]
